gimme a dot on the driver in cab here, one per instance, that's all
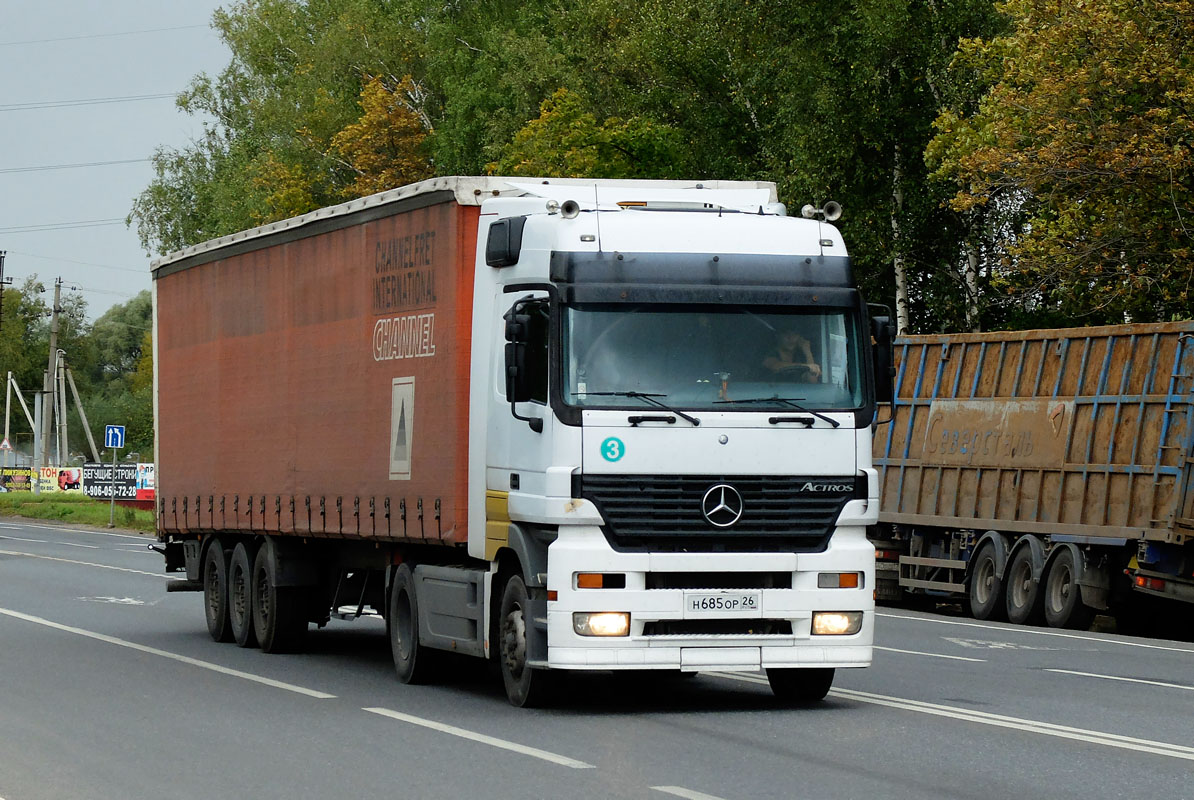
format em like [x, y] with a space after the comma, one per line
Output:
[792, 357]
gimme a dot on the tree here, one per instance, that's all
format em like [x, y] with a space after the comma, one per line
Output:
[1087, 130]
[566, 141]
[385, 146]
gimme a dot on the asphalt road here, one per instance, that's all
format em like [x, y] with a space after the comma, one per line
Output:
[111, 688]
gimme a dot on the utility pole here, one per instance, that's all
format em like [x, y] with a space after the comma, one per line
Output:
[48, 391]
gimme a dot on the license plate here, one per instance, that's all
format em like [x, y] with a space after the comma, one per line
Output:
[722, 604]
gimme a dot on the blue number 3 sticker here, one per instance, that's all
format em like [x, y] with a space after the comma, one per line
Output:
[612, 449]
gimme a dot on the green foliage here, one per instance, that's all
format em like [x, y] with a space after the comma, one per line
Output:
[566, 141]
[1087, 131]
[77, 509]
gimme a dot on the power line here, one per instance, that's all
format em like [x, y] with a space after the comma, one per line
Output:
[101, 35]
[94, 101]
[139, 271]
[62, 226]
[73, 166]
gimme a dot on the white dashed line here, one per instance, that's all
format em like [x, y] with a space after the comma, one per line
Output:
[194, 662]
[1125, 680]
[463, 733]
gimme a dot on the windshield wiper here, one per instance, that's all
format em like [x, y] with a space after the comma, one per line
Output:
[650, 397]
[789, 401]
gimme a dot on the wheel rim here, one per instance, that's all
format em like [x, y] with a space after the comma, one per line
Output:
[1061, 585]
[262, 597]
[984, 580]
[514, 642]
[403, 626]
[214, 592]
[1021, 584]
[239, 595]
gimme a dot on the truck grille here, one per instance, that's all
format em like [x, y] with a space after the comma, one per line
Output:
[665, 512]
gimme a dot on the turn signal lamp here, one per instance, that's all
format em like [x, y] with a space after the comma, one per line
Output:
[839, 580]
[599, 580]
[836, 623]
[603, 623]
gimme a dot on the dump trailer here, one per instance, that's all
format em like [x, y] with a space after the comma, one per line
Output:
[527, 420]
[1042, 475]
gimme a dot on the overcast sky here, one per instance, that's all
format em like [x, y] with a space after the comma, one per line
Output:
[64, 51]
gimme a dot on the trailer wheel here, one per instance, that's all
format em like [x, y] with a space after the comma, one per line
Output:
[279, 616]
[1063, 597]
[412, 661]
[986, 588]
[1025, 600]
[526, 686]
[240, 596]
[215, 593]
[795, 686]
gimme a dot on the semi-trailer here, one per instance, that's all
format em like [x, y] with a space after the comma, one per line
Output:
[1042, 476]
[548, 423]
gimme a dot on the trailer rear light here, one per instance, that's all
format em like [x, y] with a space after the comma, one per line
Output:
[836, 623]
[604, 623]
[886, 555]
[599, 580]
[839, 580]
[1145, 582]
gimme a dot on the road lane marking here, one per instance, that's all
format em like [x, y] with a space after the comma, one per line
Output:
[1036, 631]
[43, 541]
[999, 721]
[194, 662]
[452, 730]
[930, 655]
[1125, 680]
[77, 530]
[688, 794]
[90, 564]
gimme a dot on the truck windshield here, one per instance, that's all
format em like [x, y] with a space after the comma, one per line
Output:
[715, 358]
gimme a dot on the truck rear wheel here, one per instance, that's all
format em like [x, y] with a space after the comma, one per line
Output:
[279, 616]
[1025, 600]
[796, 686]
[1063, 597]
[240, 596]
[413, 662]
[215, 592]
[526, 686]
[986, 588]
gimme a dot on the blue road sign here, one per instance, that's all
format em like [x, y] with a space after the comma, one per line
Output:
[114, 437]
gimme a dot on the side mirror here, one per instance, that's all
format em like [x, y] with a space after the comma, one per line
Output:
[518, 388]
[504, 242]
[883, 336]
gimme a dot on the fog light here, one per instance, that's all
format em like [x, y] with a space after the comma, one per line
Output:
[604, 623]
[836, 623]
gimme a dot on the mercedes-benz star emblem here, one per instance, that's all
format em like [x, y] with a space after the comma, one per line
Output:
[722, 505]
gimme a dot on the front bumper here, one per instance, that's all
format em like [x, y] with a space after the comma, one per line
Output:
[652, 610]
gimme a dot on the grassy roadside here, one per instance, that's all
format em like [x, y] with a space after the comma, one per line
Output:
[74, 508]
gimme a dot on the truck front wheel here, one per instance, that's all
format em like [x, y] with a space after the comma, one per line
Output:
[800, 685]
[526, 686]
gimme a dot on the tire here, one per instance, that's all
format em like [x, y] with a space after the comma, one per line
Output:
[413, 662]
[798, 686]
[240, 596]
[526, 686]
[279, 614]
[1025, 600]
[1063, 597]
[986, 588]
[215, 592]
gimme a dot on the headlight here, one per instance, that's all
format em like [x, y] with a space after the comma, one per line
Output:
[603, 623]
[836, 623]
